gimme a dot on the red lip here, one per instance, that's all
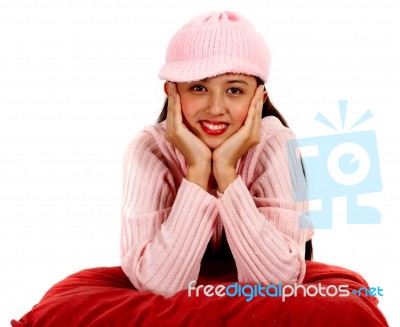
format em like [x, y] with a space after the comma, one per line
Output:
[210, 131]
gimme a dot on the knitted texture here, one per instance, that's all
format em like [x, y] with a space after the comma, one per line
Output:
[214, 44]
[167, 221]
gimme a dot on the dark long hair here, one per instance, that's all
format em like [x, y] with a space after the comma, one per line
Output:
[267, 110]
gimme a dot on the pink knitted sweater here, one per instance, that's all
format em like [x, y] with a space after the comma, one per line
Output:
[168, 221]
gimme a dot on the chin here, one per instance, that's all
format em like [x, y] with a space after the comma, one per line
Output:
[213, 145]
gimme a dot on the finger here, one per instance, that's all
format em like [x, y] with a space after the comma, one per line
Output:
[174, 105]
[258, 99]
[258, 119]
[178, 109]
[260, 102]
[171, 97]
[254, 120]
[255, 107]
[173, 115]
[255, 98]
[171, 105]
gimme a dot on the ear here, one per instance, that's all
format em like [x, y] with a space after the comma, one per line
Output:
[265, 95]
[166, 86]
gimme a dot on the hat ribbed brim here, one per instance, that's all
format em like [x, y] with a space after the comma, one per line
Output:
[196, 70]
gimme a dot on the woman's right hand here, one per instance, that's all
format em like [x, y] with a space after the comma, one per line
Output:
[196, 153]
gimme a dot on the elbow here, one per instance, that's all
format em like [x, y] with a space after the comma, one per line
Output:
[293, 269]
[156, 285]
[289, 268]
[159, 289]
[293, 277]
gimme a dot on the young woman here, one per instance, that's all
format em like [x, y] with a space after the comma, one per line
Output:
[216, 172]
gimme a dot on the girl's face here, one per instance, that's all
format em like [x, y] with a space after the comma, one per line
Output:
[215, 108]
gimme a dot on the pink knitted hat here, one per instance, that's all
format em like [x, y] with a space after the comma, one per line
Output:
[214, 44]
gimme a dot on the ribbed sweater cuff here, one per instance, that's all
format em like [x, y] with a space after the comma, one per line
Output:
[238, 198]
[189, 227]
[274, 256]
[192, 216]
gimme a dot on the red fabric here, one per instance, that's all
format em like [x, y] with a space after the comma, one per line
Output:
[105, 297]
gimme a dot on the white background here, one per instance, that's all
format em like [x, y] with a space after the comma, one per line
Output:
[78, 80]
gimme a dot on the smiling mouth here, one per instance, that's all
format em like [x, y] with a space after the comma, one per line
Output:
[213, 128]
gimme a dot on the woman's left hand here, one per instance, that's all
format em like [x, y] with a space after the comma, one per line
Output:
[226, 156]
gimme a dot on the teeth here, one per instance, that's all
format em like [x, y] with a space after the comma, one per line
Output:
[214, 127]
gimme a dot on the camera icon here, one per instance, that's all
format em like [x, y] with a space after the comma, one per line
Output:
[344, 164]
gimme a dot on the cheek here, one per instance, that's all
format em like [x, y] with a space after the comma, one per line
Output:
[186, 113]
[241, 114]
[187, 107]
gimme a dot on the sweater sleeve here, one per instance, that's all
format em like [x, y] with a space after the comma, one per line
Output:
[262, 220]
[165, 229]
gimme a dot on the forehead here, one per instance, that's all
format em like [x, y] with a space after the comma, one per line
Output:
[230, 78]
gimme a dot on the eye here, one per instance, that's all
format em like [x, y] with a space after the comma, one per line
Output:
[198, 88]
[234, 90]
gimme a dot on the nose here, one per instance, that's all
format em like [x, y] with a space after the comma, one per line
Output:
[216, 105]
